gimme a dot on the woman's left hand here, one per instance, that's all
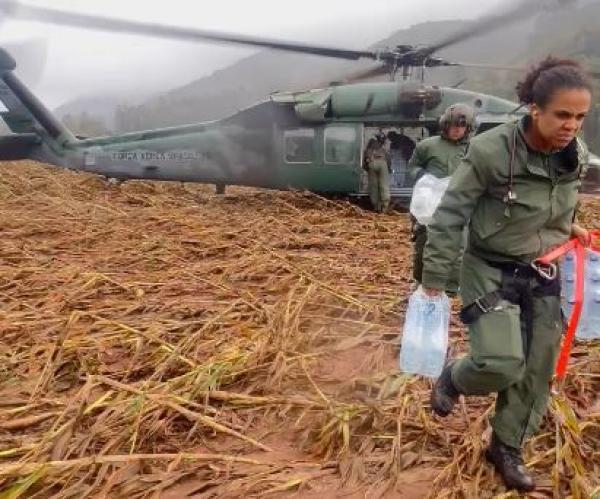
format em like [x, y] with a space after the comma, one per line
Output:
[582, 234]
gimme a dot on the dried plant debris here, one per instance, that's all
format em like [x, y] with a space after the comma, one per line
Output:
[161, 341]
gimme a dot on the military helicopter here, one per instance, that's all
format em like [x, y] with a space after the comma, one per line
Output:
[311, 140]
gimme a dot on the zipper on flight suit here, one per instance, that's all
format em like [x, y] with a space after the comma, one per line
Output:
[510, 197]
[553, 183]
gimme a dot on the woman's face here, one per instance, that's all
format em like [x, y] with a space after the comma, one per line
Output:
[562, 117]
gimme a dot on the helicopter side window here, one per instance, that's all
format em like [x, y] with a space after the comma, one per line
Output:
[340, 144]
[299, 145]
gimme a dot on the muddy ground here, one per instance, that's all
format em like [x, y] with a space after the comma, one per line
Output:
[161, 341]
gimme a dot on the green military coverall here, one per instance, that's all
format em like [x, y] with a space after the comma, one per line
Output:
[502, 358]
[439, 157]
[378, 164]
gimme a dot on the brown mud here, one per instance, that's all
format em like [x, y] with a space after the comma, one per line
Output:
[161, 341]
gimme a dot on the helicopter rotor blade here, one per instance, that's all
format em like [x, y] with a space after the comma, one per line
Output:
[593, 72]
[100, 23]
[521, 10]
[498, 67]
[367, 73]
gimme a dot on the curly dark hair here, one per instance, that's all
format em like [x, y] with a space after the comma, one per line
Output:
[550, 75]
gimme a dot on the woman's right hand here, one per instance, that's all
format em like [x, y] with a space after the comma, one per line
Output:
[582, 234]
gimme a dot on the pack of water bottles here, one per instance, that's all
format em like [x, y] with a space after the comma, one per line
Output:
[425, 334]
[589, 322]
[426, 197]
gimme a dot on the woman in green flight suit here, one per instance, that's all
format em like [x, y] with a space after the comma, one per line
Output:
[517, 191]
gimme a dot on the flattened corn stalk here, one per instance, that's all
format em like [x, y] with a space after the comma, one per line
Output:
[156, 333]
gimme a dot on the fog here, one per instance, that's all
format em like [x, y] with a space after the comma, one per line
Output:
[81, 62]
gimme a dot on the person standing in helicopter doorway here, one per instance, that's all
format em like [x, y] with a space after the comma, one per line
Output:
[439, 156]
[377, 163]
[401, 150]
[517, 190]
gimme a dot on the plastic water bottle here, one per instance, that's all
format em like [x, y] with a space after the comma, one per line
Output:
[593, 268]
[593, 314]
[568, 274]
[590, 321]
[425, 334]
[568, 283]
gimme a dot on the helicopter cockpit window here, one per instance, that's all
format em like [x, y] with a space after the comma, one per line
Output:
[340, 144]
[299, 145]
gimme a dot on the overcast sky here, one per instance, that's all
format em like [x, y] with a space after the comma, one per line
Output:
[82, 62]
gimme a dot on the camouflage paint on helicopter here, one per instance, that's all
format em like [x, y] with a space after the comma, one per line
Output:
[307, 140]
[226, 154]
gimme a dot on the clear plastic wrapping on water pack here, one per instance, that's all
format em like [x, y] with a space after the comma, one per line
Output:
[426, 197]
[425, 334]
[589, 322]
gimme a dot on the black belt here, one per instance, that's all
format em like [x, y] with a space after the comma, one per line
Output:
[520, 285]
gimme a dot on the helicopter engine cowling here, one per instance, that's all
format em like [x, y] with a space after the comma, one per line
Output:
[402, 101]
[406, 99]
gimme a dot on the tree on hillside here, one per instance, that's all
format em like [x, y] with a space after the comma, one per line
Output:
[86, 125]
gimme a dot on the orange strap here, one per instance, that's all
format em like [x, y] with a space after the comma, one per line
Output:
[573, 244]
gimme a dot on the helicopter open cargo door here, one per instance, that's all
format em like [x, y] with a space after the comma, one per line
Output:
[401, 141]
[323, 159]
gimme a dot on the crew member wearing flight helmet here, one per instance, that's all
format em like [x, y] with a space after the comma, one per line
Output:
[439, 156]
